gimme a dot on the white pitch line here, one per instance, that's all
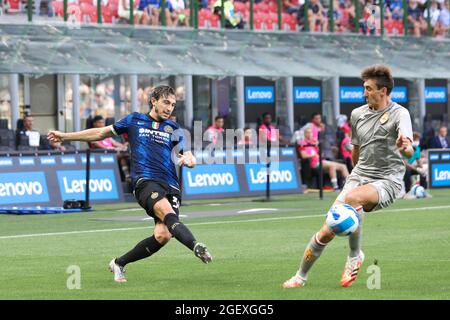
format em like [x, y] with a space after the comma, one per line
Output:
[203, 223]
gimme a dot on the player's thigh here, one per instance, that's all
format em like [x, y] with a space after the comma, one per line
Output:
[365, 196]
[169, 204]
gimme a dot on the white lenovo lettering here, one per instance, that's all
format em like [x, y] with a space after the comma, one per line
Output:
[210, 180]
[442, 175]
[20, 188]
[95, 185]
[276, 176]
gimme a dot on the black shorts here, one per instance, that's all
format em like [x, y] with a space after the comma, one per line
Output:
[148, 192]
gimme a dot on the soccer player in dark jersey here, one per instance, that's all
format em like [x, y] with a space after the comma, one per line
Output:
[153, 138]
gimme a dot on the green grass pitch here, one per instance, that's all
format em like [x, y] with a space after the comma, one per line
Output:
[253, 253]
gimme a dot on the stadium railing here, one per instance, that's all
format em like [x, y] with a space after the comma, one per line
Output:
[267, 15]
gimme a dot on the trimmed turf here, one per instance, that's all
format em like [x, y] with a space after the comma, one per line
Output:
[251, 258]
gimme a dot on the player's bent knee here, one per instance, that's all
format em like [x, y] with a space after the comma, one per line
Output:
[163, 236]
[354, 199]
[325, 235]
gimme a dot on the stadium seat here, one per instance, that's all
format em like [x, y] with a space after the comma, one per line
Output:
[107, 15]
[261, 7]
[3, 123]
[205, 14]
[214, 21]
[88, 12]
[58, 8]
[273, 7]
[240, 7]
[74, 11]
[15, 6]
[7, 139]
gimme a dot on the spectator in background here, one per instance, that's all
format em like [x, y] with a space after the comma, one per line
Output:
[173, 118]
[291, 6]
[308, 149]
[124, 11]
[396, 9]
[440, 141]
[318, 20]
[150, 11]
[416, 22]
[346, 146]
[414, 165]
[232, 20]
[248, 139]
[316, 125]
[267, 131]
[111, 144]
[178, 15]
[27, 136]
[215, 130]
[443, 23]
[434, 13]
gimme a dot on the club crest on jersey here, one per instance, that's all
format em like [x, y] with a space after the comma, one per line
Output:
[384, 118]
[168, 129]
[155, 125]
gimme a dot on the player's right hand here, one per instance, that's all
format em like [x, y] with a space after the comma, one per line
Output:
[55, 136]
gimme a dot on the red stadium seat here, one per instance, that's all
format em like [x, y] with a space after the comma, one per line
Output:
[88, 12]
[240, 7]
[74, 10]
[258, 23]
[214, 21]
[202, 22]
[85, 1]
[398, 27]
[15, 6]
[58, 8]
[261, 7]
[107, 14]
[273, 7]
[205, 13]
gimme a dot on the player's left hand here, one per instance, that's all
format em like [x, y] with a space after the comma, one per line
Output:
[187, 159]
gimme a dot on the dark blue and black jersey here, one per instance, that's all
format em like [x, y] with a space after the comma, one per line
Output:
[151, 145]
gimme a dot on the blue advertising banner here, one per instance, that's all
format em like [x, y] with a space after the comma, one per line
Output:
[399, 94]
[23, 187]
[235, 176]
[351, 94]
[307, 94]
[436, 94]
[439, 168]
[47, 179]
[102, 186]
[259, 94]
[211, 179]
[282, 177]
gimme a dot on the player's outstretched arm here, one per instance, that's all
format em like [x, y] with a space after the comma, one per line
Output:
[94, 134]
[187, 159]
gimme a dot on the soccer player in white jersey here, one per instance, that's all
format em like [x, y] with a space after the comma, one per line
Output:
[381, 137]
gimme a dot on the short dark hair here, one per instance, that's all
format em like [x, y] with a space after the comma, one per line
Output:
[315, 114]
[382, 75]
[160, 91]
[219, 117]
[265, 114]
[97, 118]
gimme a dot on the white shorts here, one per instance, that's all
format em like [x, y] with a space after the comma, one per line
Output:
[388, 191]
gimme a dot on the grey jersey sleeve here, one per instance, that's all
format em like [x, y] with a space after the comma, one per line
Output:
[403, 124]
[353, 119]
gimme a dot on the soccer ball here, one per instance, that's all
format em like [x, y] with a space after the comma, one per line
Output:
[342, 219]
[418, 191]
